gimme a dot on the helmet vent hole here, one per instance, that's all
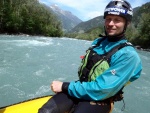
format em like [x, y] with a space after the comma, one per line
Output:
[116, 3]
[125, 6]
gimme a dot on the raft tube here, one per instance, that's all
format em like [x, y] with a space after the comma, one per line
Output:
[28, 106]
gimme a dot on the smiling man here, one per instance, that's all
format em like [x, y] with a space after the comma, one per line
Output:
[114, 25]
[109, 64]
[118, 15]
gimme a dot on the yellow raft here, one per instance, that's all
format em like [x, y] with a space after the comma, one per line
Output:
[29, 106]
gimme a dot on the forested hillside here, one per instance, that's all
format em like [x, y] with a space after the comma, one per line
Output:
[141, 26]
[27, 17]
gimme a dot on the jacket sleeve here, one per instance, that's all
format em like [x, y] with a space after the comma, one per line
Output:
[125, 66]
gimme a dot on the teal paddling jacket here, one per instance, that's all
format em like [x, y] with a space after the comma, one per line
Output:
[125, 66]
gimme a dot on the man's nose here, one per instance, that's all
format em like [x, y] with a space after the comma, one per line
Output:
[111, 23]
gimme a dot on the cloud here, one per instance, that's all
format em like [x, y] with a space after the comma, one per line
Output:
[136, 3]
[78, 3]
[93, 14]
[84, 9]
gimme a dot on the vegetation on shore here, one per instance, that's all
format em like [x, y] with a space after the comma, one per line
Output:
[28, 17]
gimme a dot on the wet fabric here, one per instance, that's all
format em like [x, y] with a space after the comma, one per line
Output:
[63, 103]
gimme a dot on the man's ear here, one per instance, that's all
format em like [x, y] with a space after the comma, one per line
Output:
[128, 23]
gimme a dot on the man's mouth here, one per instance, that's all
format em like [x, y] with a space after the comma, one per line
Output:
[109, 29]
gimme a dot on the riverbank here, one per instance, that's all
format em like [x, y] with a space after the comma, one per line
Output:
[27, 35]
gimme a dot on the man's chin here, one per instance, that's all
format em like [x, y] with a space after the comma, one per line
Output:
[111, 35]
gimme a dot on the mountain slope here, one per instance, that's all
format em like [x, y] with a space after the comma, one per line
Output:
[139, 11]
[85, 26]
[68, 20]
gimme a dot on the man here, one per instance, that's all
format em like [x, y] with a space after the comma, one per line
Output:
[106, 68]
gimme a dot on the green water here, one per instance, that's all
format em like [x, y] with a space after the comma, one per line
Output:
[29, 64]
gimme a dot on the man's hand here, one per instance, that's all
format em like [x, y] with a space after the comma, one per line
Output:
[56, 86]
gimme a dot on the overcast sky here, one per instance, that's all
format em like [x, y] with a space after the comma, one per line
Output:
[87, 9]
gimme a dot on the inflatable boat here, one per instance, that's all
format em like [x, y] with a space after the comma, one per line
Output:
[28, 106]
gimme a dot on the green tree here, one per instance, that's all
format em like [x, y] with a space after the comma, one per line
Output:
[144, 30]
[29, 17]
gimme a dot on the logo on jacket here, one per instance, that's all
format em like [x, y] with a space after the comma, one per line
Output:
[113, 72]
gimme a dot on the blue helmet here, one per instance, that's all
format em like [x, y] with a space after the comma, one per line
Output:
[119, 7]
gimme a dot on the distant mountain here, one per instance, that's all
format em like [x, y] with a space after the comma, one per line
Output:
[86, 26]
[68, 20]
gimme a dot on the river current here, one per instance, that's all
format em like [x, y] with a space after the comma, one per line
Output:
[29, 64]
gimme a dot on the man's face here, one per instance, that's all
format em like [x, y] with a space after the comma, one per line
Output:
[114, 25]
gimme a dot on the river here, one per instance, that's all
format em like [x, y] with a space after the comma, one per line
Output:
[28, 64]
